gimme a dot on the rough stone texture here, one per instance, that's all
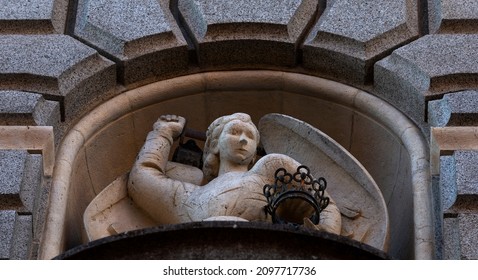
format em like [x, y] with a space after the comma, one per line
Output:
[247, 33]
[15, 235]
[454, 16]
[20, 178]
[22, 235]
[7, 225]
[448, 188]
[57, 66]
[454, 109]
[26, 108]
[468, 236]
[466, 172]
[12, 165]
[451, 242]
[458, 177]
[352, 35]
[32, 16]
[140, 34]
[425, 70]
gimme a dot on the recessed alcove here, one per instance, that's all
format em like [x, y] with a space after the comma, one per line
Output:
[104, 144]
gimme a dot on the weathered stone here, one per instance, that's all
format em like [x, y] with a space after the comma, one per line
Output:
[468, 236]
[447, 182]
[426, 69]
[141, 34]
[247, 33]
[451, 238]
[20, 178]
[15, 235]
[32, 16]
[22, 237]
[454, 109]
[454, 16]
[352, 35]
[56, 66]
[26, 108]
[7, 225]
[466, 172]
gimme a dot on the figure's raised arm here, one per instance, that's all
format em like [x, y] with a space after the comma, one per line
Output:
[155, 151]
[148, 185]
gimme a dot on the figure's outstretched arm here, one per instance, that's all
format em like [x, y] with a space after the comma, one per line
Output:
[155, 151]
[149, 187]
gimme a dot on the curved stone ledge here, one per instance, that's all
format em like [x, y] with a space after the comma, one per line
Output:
[425, 70]
[32, 16]
[56, 66]
[142, 36]
[352, 35]
[121, 124]
[247, 33]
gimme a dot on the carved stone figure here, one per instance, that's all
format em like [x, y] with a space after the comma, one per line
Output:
[232, 190]
[231, 185]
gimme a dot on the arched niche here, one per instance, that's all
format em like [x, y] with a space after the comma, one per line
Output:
[103, 145]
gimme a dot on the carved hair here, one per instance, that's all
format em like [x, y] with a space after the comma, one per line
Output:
[211, 152]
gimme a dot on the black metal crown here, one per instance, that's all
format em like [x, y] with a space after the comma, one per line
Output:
[300, 185]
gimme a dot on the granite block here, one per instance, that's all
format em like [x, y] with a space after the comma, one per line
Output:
[466, 172]
[7, 225]
[352, 35]
[426, 69]
[57, 66]
[12, 163]
[434, 12]
[451, 238]
[20, 179]
[15, 235]
[247, 33]
[142, 35]
[459, 17]
[454, 109]
[22, 238]
[468, 236]
[447, 182]
[26, 108]
[32, 16]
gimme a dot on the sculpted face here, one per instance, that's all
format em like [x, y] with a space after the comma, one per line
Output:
[238, 142]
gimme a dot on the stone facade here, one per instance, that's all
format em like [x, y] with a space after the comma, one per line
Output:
[60, 59]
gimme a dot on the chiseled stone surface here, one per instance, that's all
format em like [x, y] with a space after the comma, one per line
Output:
[57, 66]
[468, 235]
[458, 180]
[454, 109]
[7, 225]
[142, 34]
[26, 108]
[20, 178]
[351, 35]
[12, 165]
[15, 235]
[458, 16]
[241, 33]
[466, 172]
[425, 69]
[32, 16]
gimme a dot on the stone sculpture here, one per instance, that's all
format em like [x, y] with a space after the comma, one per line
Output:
[233, 190]
[231, 185]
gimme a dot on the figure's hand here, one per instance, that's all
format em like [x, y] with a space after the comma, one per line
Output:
[171, 123]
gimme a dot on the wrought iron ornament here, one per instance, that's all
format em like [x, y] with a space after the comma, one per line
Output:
[300, 185]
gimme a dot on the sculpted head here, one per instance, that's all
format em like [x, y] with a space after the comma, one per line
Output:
[232, 138]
